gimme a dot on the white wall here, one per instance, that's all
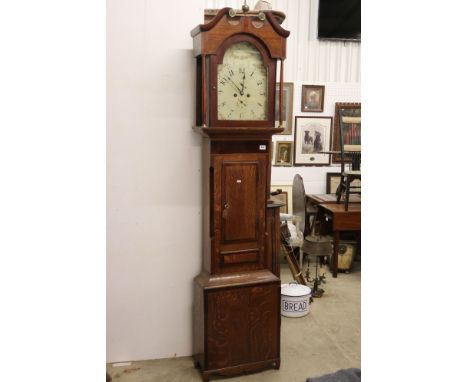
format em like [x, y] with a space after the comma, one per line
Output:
[153, 178]
[153, 165]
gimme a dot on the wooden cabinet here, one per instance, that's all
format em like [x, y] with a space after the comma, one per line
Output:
[237, 296]
[237, 323]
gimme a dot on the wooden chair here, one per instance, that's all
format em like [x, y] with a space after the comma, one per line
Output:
[350, 151]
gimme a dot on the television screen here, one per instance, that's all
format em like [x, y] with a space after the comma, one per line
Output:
[339, 19]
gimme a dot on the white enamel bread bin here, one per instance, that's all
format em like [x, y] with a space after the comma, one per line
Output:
[295, 300]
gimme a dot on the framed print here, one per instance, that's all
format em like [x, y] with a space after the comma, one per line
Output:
[288, 94]
[348, 111]
[312, 98]
[284, 155]
[286, 189]
[283, 198]
[312, 135]
[333, 181]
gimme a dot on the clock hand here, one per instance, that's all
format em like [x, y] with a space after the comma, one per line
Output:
[234, 86]
[243, 81]
[240, 91]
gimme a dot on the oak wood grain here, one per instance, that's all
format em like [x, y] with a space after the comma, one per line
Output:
[236, 320]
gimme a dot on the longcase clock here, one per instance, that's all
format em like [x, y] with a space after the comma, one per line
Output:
[237, 294]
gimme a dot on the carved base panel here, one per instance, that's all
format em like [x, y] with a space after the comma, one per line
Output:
[240, 369]
[237, 323]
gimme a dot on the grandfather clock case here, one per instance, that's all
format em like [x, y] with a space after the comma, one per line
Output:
[237, 294]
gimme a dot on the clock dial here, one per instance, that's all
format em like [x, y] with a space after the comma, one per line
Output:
[242, 84]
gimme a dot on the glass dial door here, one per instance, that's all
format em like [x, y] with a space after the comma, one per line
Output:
[242, 84]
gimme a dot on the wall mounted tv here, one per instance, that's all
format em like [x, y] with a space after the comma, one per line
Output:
[339, 20]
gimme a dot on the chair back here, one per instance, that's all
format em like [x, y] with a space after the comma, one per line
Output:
[299, 201]
[350, 140]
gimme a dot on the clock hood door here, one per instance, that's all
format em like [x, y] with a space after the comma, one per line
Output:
[243, 78]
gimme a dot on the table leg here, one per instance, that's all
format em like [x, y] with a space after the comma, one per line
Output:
[336, 243]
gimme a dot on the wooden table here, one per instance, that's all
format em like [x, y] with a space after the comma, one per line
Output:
[341, 221]
[315, 199]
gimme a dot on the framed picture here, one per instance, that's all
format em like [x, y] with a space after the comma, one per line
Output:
[288, 93]
[333, 181]
[348, 110]
[285, 196]
[312, 135]
[284, 153]
[312, 98]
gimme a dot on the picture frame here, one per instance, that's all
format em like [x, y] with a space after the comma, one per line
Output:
[287, 190]
[284, 153]
[312, 135]
[312, 98]
[283, 198]
[288, 98]
[333, 181]
[350, 109]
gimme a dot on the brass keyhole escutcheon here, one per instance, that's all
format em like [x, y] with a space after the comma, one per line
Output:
[225, 210]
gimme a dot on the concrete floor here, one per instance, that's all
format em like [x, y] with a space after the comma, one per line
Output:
[326, 340]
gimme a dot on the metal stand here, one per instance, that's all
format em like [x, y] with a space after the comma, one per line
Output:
[318, 279]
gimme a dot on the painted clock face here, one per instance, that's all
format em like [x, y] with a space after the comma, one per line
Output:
[242, 84]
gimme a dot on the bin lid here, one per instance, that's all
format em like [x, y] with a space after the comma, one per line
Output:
[293, 289]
